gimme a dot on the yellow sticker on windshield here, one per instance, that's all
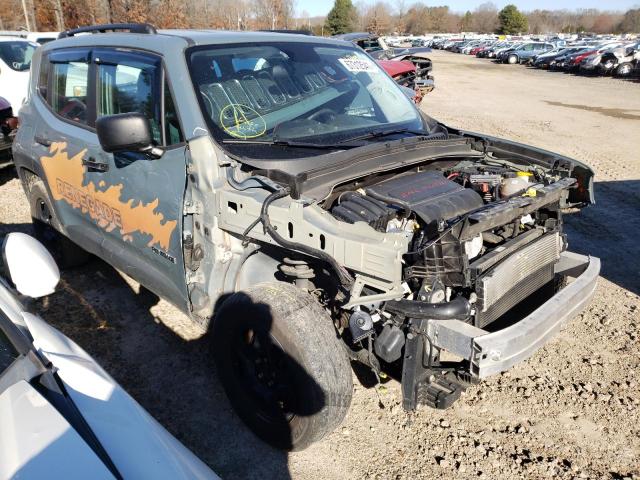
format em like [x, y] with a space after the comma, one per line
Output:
[241, 121]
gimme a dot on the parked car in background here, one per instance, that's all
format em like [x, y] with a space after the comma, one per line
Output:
[38, 37]
[8, 126]
[15, 61]
[524, 52]
[619, 61]
[545, 60]
[572, 62]
[498, 49]
[481, 48]
[61, 414]
[410, 67]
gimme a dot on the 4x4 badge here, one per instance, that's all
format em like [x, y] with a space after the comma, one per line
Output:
[104, 204]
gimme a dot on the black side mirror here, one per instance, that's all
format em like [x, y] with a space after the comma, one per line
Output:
[126, 132]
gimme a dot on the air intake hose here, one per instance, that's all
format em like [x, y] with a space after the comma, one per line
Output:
[457, 309]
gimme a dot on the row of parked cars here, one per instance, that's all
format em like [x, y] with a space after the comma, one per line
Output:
[604, 57]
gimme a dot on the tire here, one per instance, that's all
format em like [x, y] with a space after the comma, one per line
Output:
[281, 364]
[512, 59]
[47, 227]
[623, 70]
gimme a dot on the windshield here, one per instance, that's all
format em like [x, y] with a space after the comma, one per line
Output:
[17, 54]
[296, 91]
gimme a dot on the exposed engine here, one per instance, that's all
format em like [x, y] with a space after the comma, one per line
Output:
[483, 238]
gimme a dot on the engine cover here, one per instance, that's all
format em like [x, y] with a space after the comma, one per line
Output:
[432, 196]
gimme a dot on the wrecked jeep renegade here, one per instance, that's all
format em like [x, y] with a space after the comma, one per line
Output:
[284, 193]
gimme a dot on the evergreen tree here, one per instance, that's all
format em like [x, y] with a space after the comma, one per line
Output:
[341, 17]
[466, 22]
[512, 21]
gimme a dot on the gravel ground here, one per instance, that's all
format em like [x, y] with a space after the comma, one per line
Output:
[571, 411]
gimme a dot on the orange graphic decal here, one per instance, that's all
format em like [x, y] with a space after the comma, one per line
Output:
[65, 175]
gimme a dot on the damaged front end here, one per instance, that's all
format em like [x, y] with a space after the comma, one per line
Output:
[448, 258]
[487, 278]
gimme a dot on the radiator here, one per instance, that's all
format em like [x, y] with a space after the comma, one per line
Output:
[516, 277]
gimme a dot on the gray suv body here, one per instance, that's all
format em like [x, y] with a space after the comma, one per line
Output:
[284, 193]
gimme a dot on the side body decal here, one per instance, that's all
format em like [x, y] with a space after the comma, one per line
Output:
[104, 203]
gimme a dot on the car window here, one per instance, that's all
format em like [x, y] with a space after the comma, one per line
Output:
[43, 77]
[172, 130]
[301, 90]
[69, 96]
[130, 88]
[17, 54]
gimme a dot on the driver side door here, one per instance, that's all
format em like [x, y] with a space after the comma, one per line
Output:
[139, 197]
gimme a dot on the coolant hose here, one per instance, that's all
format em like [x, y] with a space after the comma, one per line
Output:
[457, 309]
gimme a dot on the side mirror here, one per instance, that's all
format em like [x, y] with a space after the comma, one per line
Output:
[29, 265]
[126, 132]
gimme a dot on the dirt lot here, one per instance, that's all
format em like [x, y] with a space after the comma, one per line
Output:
[572, 411]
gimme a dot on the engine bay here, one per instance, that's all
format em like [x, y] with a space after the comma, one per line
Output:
[483, 237]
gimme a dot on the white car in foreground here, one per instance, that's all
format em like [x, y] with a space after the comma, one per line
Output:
[61, 414]
[15, 62]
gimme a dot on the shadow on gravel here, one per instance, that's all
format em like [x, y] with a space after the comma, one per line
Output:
[7, 173]
[173, 378]
[610, 229]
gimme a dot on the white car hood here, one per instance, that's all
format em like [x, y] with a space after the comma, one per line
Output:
[37, 442]
[136, 443]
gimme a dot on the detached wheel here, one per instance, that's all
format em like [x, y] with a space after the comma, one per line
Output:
[281, 364]
[512, 59]
[46, 228]
[623, 70]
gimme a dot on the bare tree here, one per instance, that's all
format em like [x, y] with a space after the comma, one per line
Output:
[485, 18]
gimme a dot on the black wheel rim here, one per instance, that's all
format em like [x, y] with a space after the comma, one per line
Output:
[264, 375]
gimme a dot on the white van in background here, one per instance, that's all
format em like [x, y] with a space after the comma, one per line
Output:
[15, 62]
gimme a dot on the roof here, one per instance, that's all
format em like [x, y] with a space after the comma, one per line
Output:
[4, 38]
[203, 37]
[158, 41]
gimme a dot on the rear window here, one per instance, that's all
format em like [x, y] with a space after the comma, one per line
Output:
[17, 54]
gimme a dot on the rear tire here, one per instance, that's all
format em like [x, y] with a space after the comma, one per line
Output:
[623, 70]
[281, 364]
[47, 227]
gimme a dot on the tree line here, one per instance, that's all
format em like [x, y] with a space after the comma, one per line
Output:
[419, 18]
[380, 17]
[58, 15]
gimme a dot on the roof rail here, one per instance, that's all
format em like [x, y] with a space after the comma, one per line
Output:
[110, 27]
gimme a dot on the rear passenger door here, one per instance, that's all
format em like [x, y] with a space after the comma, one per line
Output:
[142, 196]
[63, 127]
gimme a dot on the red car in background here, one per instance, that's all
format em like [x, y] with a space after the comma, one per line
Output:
[573, 62]
[404, 74]
[476, 50]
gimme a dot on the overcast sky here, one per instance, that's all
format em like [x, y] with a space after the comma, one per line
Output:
[322, 7]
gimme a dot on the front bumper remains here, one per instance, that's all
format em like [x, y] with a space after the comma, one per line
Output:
[489, 353]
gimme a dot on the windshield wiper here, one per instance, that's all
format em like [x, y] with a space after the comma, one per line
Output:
[287, 143]
[385, 133]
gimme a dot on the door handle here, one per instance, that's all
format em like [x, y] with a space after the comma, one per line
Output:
[94, 165]
[45, 142]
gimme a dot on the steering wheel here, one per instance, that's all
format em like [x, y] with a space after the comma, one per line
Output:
[74, 110]
[324, 115]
